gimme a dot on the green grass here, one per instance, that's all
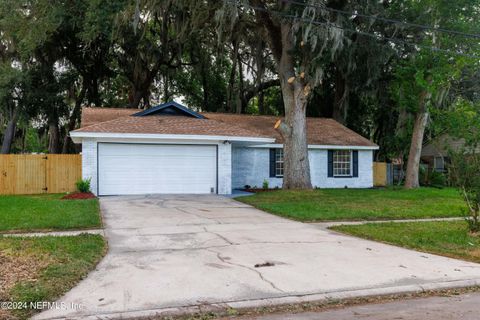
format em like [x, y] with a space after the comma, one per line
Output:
[359, 204]
[47, 212]
[447, 238]
[55, 265]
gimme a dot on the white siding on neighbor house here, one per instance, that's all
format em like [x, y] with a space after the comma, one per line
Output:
[90, 165]
[251, 166]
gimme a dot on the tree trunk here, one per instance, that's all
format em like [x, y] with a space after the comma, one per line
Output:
[413, 164]
[136, 98]
[146, 99]
[67, 141]
[166, 87]
[94, 92]
[340, 103]
[203, 72]
[231, 96]
[9, 133]
[421, 119]
[261, 103]
[53, 136]
[295, 91]
[241, 104]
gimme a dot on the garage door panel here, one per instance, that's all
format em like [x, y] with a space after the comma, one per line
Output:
[140, 169]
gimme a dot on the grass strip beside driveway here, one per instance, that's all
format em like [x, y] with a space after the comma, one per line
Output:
[44, 268]
[446, 238]
[47, 212]
[359, 204]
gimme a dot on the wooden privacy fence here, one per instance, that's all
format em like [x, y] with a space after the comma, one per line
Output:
[39, 173]
[379, 174]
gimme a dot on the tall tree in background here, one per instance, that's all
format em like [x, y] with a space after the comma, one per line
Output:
[161, 41]
[11, 105]
[284, 57]
[423, 79]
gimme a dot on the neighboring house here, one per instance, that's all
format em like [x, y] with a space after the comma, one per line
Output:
[172, 149]
[435, 152]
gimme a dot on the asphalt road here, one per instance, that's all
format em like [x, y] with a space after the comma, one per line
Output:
[464, 307]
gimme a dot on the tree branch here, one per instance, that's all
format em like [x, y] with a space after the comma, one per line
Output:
[284, 129]
[252, 91]
[273, 30]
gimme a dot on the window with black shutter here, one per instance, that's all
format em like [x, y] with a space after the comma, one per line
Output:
[276, 163]
[342, 163]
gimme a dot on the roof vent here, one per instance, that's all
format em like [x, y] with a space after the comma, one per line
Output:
[171, 108]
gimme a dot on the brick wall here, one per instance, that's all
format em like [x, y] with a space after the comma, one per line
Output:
[89, 162]
[251, 166]
[224, 168]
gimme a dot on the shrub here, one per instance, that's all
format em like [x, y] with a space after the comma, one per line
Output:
[466, 171]
[83, 185]
[265, 184]
[422, 176]
[437, 179]
[431, 178]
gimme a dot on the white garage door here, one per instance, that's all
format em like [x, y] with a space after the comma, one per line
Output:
[149, 168]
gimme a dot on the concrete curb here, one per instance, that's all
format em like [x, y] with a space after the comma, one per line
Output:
[55, 233]
[276, 301]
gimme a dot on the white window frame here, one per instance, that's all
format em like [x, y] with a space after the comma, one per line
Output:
[281, 161]
[350, 162]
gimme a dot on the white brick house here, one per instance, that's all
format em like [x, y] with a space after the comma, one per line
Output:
[171, 149]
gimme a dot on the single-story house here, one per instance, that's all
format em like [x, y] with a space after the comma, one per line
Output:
[172, 149]
[435, 152]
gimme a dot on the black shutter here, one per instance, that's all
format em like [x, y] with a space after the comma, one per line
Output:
[330, 163]
[355, 163]
[272, 163]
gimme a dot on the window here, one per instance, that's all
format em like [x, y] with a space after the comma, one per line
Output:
[279, 163]
[342, 163]
[439, 164]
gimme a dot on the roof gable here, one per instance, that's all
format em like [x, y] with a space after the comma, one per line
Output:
[171, 108]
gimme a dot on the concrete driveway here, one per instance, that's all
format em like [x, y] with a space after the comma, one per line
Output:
[188, 253]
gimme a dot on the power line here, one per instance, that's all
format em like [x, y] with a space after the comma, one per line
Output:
[389, 20]
[371, 35]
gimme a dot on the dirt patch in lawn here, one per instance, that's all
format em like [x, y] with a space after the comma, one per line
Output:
[41, 269]
[14, 269]
[79, 196]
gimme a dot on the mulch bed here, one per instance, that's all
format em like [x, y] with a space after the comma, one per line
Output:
[78, 196]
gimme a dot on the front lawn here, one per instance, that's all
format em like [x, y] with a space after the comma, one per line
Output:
[447, 238]
[44, 268]
[47, 212]
[359, 204]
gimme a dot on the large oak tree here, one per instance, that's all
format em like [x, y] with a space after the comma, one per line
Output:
[299, 48]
